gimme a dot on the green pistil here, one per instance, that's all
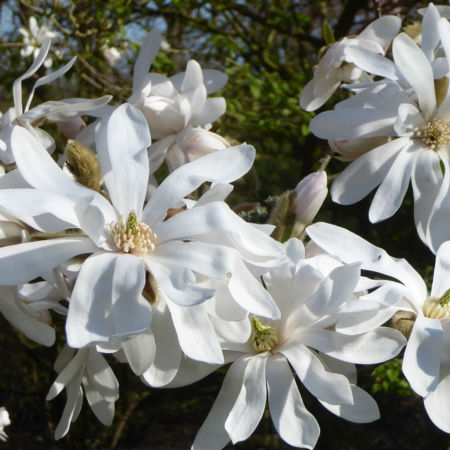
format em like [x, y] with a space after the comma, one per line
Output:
[445, 299]
[132, 223]
[259, 328]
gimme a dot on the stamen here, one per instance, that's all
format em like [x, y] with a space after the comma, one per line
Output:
[264, 337]
[437, 308]
[435, 134]
[133, 236]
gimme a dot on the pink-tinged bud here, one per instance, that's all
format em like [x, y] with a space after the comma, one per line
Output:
[69, 129]
[353, 149]
[199, 142]
[310, 194]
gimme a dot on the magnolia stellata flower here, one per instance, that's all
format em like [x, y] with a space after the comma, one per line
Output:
[423, 316]
[336, 66]
[419, 132]
[4, 422]
[127, 241]
[34, 37]
[88, 368]
[323, 359]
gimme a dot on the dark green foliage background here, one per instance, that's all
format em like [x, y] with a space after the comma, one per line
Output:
[268, 48]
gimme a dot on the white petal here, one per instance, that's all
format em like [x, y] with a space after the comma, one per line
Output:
[423, 355]
[364, 409]
[293, 422]
[441, 277]
[310, 101]
[371, 348]
[382, 30]
[103, 410]
[212, 434]
[140, 351]
[90, 313]
[392, 190]
[219, 167]
[371, 62]
[147, 54]
[352, 123]
[196, 334]
[212, 109]
[416, 69]
[430, 33]
[168, 351]
[125, 149]
[35, 258]
[132, 313]
[331, 387]
[246, 413]
[102, 377]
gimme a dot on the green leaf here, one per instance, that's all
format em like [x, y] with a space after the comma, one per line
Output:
[327, 34]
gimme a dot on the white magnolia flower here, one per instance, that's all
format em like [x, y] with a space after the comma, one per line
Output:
[53, 110]
[418, 132]
[127, 241]
[35, 37]
[426, 363]
[337, 66]
[4, 422]
[308, 293]
[88, 368]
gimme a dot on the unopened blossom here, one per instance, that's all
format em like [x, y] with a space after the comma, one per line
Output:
[69, 129]
[309, 196]
[35, 36]
[4, 422]
[423, 316]
[336, 66]
[309, 294]
[415, 126]
[88, 368]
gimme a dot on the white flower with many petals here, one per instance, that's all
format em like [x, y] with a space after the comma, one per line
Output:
[34, 37]
[419, 134]
[87, 368]
[4, 422]
[424, 317]
[127, 242]
[336, 66]
[308, 293]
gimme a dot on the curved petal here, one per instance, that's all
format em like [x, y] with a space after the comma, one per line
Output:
[90, 318]
[212, 109]
[251, 401]
[416, 69]
[35, 258]
[293, 422]
[430, 32]
[371, 62]
[331, 387]
[370, 348]
[101, 375]
[132, 313]
[441, 276]
[364, 409]
[212, 434]
[382, 30]
[124, 153]
[392, 190]
[220, 167]
[309, 101]
[140, 351]
[423, 355]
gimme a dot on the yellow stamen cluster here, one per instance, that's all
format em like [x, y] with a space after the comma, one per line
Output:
[264, 337]
[437, 308]
[133, 236]
[435, 134]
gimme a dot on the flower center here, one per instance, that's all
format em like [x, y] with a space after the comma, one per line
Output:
[264, 337]
[437, 308]
[435, 134]
[133, 236]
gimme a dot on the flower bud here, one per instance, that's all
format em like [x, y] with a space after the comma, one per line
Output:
[353, 149]
[69, 129]
[309, 196]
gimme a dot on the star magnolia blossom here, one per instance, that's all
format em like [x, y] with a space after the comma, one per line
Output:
[308, 292]
[127, 242]
[336, 66]
[426, 363]
[420, 137]
[4, 422]
[89, 368]
[35, 37]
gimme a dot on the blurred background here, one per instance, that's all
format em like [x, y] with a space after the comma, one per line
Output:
[268, 48]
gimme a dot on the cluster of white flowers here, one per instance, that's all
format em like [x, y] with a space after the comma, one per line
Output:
[170, 280]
